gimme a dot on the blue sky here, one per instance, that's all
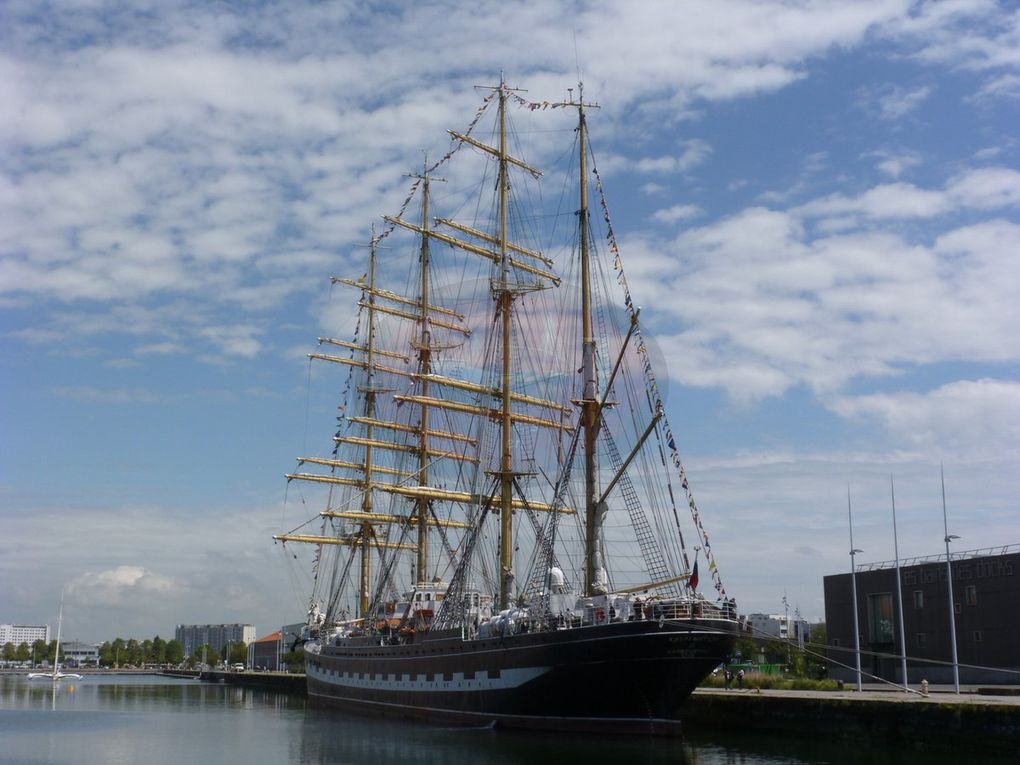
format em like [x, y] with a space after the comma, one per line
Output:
[818, 206]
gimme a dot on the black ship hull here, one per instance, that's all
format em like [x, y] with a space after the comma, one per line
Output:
[625, 676]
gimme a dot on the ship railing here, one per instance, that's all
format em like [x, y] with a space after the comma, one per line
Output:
[686, 608]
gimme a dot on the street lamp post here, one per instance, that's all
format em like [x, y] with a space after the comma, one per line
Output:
[853, 586]
[857, 631]
[899, 591]
[949, 585]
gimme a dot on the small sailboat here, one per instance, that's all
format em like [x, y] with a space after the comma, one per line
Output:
[56, 674]
[502, 533]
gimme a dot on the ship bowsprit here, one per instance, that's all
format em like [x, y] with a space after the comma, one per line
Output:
[622, 677]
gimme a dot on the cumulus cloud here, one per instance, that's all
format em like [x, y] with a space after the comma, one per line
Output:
[766, 304]
[975, 189]
[1006, 86]
[695, 152]
[894, 102]
[676, 213]
[137, 168]
[122, 585]
[236, 340]
[895, 163]
[981, 415]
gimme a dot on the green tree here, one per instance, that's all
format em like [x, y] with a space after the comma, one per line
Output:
[51, 652]
[746, 647]
[174, 652]
[134, 652]
[23, 652]
[776, 651]
[238, 653]
[815, 664]
[40, 651]
[295, 661]
[205, 653]
[157, 653]
[10, 651]
[119, 652]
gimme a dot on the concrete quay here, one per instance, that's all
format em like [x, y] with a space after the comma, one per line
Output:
[279, 682]
[973, 721]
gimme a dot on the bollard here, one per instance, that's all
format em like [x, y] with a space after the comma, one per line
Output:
[924, 687]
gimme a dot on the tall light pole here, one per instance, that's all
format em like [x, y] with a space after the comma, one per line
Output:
[899, 590]
[853, 586]
[949, 585]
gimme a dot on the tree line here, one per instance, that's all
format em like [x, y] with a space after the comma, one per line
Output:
[118, 652]
[138, 653]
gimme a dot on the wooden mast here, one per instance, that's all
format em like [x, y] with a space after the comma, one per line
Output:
[370, 394]
[590, 404]
[505, 297]
[424, 369]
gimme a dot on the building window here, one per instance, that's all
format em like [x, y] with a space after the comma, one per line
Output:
[880, 611]
[918, 599]
[957, 608]
[922, 640]
[970, 595]
[977, 636]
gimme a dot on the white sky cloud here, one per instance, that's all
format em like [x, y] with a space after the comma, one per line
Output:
[968, 415]
[124, 585]
[676, 213]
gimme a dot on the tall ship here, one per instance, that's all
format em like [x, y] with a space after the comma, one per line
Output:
[507, 534]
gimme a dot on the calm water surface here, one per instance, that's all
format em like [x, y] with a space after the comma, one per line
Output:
[164, 721]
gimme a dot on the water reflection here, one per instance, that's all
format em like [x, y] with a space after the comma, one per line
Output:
[327, 737]
[109, 720]
[35, 694]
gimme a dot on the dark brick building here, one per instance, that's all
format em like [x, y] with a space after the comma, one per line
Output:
[986, 591]
[265, 652]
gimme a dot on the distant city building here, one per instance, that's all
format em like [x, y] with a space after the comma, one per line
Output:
[78, 654]
[265, 652]
[23, 633]
[986, 604]
[779, 626]
[192, 636]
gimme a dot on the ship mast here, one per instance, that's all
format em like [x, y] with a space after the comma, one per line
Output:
[370, 395]
[505, 298]
[425, 369]
[510, 259]
[591, 409]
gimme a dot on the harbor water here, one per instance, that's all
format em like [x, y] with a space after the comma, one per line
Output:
[122, 720]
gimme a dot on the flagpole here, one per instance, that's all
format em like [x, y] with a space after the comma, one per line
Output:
[899, 590]
[853, 585]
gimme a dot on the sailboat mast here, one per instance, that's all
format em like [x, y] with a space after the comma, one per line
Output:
[60, 622]
[425, 368]
[370, 394]
[506, 544]
[590, 409]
